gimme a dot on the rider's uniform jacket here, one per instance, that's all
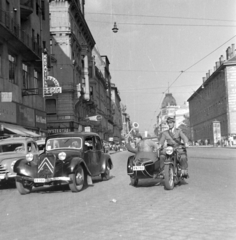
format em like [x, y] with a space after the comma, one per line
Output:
[145, 145]
[175, 133]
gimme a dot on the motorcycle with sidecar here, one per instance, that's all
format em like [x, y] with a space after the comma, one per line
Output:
[142, 166]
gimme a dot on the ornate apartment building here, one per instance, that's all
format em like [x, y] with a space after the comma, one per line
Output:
[24, 27]
[213, 105]
[81, 72]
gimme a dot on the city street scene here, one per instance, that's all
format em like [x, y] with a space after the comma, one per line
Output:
[117, 119]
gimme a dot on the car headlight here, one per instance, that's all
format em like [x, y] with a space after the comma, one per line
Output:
[169, 150]
[29, 157]
[62, 156]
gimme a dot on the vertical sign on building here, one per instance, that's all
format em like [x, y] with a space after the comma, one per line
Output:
[45, 71]
[231, 86]
[216, 132]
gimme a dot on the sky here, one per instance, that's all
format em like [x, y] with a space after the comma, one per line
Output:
[161, 46]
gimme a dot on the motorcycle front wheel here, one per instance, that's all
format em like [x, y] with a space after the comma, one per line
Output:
[169, 177]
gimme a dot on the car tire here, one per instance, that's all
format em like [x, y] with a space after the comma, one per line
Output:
[22, 188]
[106, 174]
[134, 181]
[77, 180]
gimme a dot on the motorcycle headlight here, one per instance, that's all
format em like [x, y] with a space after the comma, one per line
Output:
[29, 157]
[169, 150]
[62, 156]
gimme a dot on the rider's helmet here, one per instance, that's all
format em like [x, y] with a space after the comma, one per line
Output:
[170, 119]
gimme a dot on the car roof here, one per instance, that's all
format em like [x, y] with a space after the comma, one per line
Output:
[73, 134]
[15, 139]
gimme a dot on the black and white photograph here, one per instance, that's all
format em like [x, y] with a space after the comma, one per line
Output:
[118, 119]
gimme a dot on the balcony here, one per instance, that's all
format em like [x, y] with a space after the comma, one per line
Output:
[26, 8]
[11, 32]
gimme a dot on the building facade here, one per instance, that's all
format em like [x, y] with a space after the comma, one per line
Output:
[24, 27]
[101, 84]
[72, 65]
[117, 116]
[169, 107]
[213, 105]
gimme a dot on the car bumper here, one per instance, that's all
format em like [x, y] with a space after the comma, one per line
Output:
[6, 176]
[43, 180]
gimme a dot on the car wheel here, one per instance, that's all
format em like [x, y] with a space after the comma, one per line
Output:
[77, 180]
[134, 181]
[23, 187]
[106, 174]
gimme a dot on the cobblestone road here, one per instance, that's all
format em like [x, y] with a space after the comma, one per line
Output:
[203, 208]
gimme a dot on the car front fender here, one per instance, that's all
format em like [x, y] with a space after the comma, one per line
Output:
[74, 163]
[106, 162]
[25, 168]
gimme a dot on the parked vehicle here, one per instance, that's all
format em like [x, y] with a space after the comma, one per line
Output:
[41, 145]
[68, 158]
[11, 150]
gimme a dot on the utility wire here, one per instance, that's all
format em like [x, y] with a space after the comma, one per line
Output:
[196, 64]
[165, 24]
[156, 16]
[138, 70]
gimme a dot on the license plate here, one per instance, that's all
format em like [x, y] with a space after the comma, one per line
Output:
[39, 180]
[138, 168]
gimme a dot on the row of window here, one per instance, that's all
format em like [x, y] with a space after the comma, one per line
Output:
[12, 77]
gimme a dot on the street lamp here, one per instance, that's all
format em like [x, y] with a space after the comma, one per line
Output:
[115, 29]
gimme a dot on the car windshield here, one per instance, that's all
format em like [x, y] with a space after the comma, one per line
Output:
[13, 147]
[55, 143]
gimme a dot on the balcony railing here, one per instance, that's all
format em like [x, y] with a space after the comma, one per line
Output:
[11, 25]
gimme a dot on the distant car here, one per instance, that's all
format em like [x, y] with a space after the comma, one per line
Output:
[41, 145]
[68, 158]
[12, 150]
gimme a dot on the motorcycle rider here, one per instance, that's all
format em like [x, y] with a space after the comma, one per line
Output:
[143, 147]
[173, 136]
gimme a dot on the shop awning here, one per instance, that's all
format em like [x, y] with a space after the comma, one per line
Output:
[19, 130]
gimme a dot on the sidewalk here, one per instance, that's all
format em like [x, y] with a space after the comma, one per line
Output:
[210, 145]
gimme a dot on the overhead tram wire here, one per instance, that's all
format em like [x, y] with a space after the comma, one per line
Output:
[156, 16]
[166, 24]
[181, 72]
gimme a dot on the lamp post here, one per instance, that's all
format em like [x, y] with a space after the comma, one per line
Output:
[115, 29]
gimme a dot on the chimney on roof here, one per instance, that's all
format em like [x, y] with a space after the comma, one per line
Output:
[221, 59]
[203, 79]
[228, 52]
[207, 75]
[217, 64]
[232, 50]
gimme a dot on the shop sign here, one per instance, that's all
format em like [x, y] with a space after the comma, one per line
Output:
[216, 132]
[6, 96]
[58, 130]
[26, 116]
[40, 119]
[8, 112]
